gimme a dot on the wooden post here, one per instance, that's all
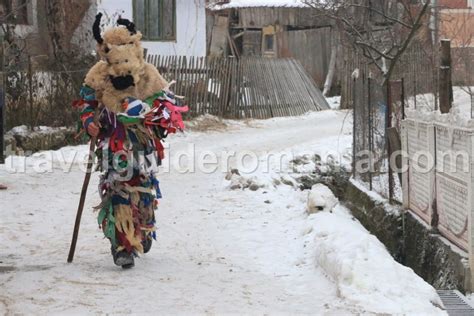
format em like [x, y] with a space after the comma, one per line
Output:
[395, 146]
[472, 106]
[354, 129]
[403, 99]
[445, 85]
[2, 102]
[470, 227]
[30, 93]
[332, 65]
[388, 126]
[371, 131]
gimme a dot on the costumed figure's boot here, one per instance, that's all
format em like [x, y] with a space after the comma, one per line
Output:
[123, 258]
[147, 243]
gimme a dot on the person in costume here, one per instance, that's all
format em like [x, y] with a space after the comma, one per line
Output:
[127, 106]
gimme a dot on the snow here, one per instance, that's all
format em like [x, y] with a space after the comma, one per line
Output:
[462, 253]
[320, 198]
[23, 130]
[375, 197]
[258, 3]
[219, 250]
[364, 272]
[460, 114]
[470, 299]
[334, 102]
[380, 187]
[356, 74]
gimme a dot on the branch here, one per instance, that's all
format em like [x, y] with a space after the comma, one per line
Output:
[389, 18]
[382, 54]
[416, 27]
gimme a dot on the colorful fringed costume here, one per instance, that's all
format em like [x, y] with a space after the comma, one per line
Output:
[129, 101]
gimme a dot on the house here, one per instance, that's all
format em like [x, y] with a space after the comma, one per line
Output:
[169, 27]
[457, 22]
[456, 19]
[44, 29]
[272, 29]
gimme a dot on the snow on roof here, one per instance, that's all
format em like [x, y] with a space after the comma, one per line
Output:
[258, 3]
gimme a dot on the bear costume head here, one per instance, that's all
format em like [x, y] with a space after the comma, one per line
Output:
[122, 71]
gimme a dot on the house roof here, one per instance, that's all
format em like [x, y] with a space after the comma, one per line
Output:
[453, 4]
[256, 3]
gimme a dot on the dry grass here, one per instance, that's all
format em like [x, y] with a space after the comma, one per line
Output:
[206, 123]
[211, 123]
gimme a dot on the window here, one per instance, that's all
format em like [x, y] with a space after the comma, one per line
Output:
[268, 42]
[156, 19]
[14, 12]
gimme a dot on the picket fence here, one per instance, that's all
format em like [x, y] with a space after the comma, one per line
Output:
[248, 87]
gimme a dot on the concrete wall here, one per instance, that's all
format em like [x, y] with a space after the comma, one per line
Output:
[190, 26]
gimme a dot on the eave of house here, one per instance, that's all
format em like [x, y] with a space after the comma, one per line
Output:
[237, 4]
[457, 11]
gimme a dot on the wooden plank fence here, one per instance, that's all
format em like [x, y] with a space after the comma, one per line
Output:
[249, 87]
[416, 67]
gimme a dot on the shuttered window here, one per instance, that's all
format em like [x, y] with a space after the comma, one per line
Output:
[156, 19]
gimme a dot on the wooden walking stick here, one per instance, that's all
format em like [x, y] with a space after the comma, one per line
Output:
[85, 185]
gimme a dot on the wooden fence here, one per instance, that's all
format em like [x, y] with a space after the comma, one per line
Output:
[302, 44]
[249, 87]
[416, 67]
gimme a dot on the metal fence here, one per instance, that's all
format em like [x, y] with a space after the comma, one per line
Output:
[36, 98]
[378, 112]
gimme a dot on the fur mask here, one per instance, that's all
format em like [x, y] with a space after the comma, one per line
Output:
[122, 72]
[125, 34]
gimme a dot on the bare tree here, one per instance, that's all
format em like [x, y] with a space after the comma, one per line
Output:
[381, 30]
[44, 67]
[459, 27]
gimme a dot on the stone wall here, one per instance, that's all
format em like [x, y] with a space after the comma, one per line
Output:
[21, 141]
[410, 242]
[406, 237]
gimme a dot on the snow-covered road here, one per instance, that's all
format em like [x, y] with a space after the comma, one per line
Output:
[218, 250]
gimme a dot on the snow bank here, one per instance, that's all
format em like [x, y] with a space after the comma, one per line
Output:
[47, 161]
[376, 197]
[364, 271]
[238, 182]
[460, 114]
[23, 130]
[320, 198]
[334, 102]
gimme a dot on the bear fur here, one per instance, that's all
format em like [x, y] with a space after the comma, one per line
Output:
[122, 71]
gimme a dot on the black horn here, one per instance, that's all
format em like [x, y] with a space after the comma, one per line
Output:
[128, 24]
[96, 29]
